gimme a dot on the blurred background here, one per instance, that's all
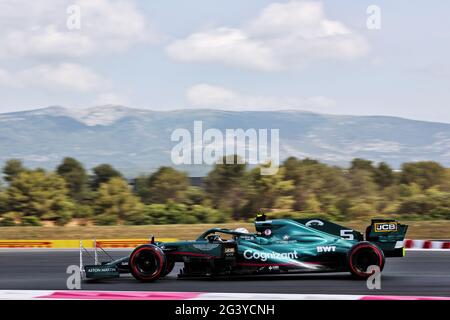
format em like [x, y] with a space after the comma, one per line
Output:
[91, 92]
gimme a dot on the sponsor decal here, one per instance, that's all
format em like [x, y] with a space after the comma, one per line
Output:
[326, 249]
[312, 223]
[286, 237]
[347, 234]
[385, 227]
[264, 256]
[229, 252]
[287, 241]
[206, 246]
[100, 269]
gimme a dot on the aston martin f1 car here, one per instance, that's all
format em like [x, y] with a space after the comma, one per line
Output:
[277, 246]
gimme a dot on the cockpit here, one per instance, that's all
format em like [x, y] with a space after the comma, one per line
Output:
[218, 235]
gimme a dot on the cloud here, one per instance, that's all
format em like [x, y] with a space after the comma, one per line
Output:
[66, 76]
[284, 35]
[216, 97]
[224, 45]
[39, 28]
[111, 98]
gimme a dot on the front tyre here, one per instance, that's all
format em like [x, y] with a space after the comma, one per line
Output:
[363, 255]
[170, 264]
[147, 263]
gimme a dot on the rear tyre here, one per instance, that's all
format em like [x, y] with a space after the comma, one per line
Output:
[363, 255]
[147, 263]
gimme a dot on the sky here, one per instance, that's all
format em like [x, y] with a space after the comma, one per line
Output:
[317, 56]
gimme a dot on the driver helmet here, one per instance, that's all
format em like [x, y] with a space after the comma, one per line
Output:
[241, 230]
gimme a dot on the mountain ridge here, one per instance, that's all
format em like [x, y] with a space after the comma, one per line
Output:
[138, 140]
[141, 110]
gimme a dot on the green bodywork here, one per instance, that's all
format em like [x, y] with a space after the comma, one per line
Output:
[305, 245]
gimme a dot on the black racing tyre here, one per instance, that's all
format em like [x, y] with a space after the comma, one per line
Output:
[170, 264]
[147, 263]
[361, 256]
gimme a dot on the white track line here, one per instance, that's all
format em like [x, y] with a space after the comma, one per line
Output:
[148, 295]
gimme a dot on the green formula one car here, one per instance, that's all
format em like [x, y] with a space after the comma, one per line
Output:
[278, 246]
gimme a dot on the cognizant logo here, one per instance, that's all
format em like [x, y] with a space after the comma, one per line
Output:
[263, 256]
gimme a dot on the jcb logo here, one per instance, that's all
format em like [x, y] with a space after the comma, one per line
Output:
[326, 249]
[386, 227]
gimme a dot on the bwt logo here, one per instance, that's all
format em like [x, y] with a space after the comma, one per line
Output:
[210, 146]
[326, 249]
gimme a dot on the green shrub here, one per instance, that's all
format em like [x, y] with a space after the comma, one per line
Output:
[296, 215]
[30, 221]
[417, 204]
[440, 212]
[194, 195]
[7, 222]
[178, 213]
[63, 218]
[361, 209]
[209, 215]
[139, 219]
[187, 218]
[157, 213]
[105, 220]
[82, 211]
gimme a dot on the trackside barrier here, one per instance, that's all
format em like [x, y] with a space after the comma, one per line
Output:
[75, 244]
[132, 243]
[427, 244]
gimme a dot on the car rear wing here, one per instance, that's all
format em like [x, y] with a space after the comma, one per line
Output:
[389, 235]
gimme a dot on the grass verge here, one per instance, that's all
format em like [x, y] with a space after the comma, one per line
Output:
[438, 229]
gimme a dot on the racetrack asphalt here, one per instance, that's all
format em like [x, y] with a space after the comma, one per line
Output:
[425, 273]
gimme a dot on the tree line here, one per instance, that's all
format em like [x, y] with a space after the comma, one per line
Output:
[301, 187]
